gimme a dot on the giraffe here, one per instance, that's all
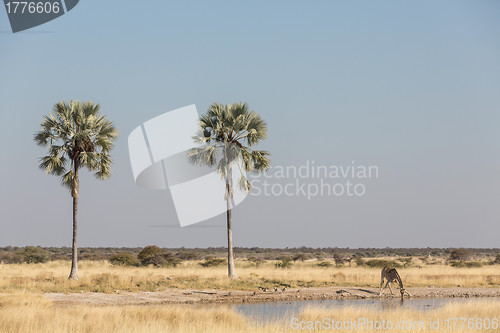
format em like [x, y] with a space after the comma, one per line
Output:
[391, 275]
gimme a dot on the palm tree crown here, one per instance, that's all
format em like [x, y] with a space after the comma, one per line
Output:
[230, 132]
[77, 136]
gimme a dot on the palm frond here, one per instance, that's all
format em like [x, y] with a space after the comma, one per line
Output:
[206, 155]
[68, 180]
[90, 109]
[244, 184]
[260, 160]
[103, 165]
[42, 138]
[53, 164]
[256, 128]
[222, 168]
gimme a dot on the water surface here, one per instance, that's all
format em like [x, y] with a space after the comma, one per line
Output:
[285, 310]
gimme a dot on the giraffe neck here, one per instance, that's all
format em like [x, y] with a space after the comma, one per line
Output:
[399, 279]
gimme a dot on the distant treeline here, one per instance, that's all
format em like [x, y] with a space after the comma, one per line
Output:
[13, 254]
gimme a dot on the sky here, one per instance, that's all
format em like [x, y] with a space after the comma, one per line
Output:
[409, 87]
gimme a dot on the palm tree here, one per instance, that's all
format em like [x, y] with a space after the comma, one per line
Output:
[77, 136]
[225, 129]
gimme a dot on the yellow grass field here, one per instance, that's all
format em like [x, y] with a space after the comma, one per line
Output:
[24, 309]
[100, 276]
[29, 313]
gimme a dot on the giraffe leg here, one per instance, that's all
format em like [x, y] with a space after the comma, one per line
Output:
[389, 284]
[381, 284]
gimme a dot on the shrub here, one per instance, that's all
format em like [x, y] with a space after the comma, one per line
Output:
[460, 255]
[286, 262]
[360, 261]
[124, 259]
[497, 259]
[255, 261]
[407, 262]
[457, 264]
[473, 264]
[151, 255]
[380, 263]
[11, 258]
[339, 260]
[469, 264]
[301, 256]
[324, 264]
[32, 255]
[214, 262]
[188, 255]
[169, 260]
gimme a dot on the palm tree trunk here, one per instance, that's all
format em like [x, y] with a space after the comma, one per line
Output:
[230, 256]
[73, 275]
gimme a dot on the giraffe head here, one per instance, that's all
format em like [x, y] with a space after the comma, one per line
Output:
[403, 291]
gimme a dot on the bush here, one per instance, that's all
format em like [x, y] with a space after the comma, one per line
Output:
[324, 264]
[469, 264]
[188, 255]
[460, 255]
[497, 259]
[457, 264]
[286, 262]
[301, 256]
[151, 255]
[32, 255]
[255, 261]
[339, 260]
[473, 264]
[170, 261]
[11, 258]
[124, 259]
[214, 262]
[359, 261]
[407, 262]
[380, 263]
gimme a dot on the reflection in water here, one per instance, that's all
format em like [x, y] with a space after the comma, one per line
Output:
[387, 304]
[284, 311]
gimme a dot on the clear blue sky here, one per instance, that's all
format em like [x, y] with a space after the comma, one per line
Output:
[412, 87]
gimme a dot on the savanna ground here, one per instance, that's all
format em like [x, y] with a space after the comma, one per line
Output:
[110, 298]
[30, 313]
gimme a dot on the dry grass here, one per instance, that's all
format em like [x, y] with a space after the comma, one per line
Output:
[24, 313]
[22, 309]
[28, 313]
[102, 277]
